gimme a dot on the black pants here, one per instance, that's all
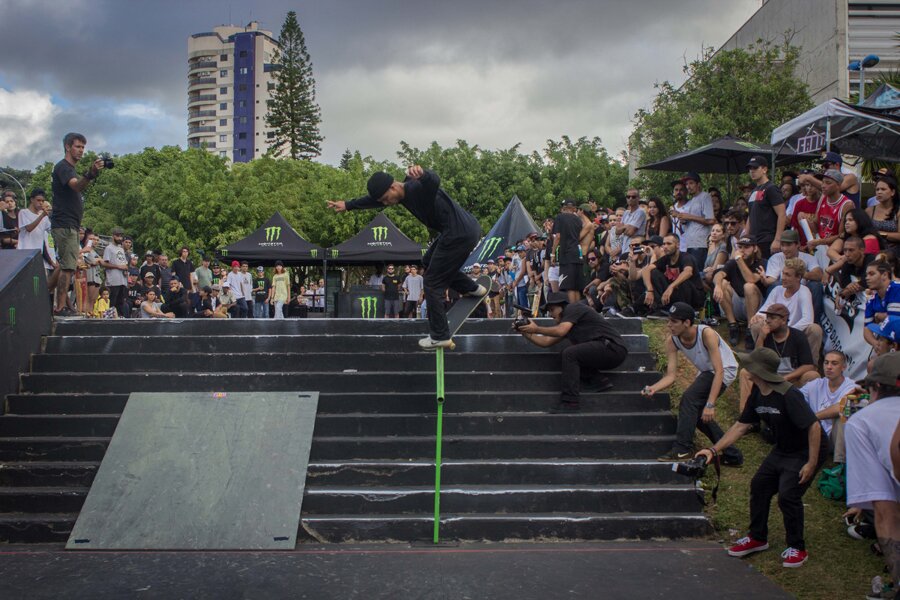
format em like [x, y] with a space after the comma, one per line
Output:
[779, 474]
[690, 417]
[685, 292]
[118, 297]
[586, 359]
[442, 263]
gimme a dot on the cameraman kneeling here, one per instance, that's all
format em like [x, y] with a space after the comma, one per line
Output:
[789, 468]
[596, 346]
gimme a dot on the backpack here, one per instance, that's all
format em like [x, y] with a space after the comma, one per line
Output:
[833, 482]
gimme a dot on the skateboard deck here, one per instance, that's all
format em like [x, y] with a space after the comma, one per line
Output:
[465, 306]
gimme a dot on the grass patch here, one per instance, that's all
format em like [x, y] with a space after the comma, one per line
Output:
[838, 567]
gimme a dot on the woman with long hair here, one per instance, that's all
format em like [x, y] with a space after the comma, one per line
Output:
[716, 253]
[280, 292]
[658, 221]
[92, 267]
[856, 223]
[885, 214]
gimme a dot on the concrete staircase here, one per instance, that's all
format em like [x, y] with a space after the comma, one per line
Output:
[511, 471]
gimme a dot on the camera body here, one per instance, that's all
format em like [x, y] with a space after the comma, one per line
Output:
[523, 320]
[694, 468]
[108, 162]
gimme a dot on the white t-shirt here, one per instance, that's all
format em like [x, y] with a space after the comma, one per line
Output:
[33, 240]
[799, 305]
[775, 265]
[236, 281]
[115, 255]
[247, 285]
[695, 234]
[413, 285]
[868, 439]
[819, 396]
[790, 207]
[637, 218]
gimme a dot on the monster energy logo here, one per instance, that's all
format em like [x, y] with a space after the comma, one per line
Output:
[224, 251]
[334, 253]
[489, 247]
[379, 233]
[314, 253]
[368, 307]
[12, 316]
[273, 234]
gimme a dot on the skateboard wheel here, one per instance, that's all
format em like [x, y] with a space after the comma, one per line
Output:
[453, 345]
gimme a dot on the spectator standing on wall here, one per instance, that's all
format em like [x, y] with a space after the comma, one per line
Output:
[183, 266]
[261, 289]
[696, 216]
[280, 290]
[116, 265]
[768, 217]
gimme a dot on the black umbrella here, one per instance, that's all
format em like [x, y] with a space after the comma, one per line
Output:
[727, 155]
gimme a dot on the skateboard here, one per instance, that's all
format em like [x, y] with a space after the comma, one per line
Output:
[464, 307]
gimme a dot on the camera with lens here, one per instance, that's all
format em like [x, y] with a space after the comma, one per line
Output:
[108, 162]
[523, 320]
[694, 468]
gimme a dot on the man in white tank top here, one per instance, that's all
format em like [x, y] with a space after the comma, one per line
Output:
[717, 368]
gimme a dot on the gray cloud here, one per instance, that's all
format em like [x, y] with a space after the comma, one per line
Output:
[494, 73]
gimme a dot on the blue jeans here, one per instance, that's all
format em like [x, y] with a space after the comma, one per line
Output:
[260, 310]
[522, 295]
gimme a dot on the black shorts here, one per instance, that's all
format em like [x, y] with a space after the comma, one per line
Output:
[571, 277]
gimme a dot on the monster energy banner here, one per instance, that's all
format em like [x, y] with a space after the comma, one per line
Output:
[366, 305]
[513, 225]
[380, 241]
[275, 240]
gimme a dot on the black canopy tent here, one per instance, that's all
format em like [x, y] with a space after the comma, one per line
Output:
[378, 242]
[513, 225]
[275, 240]
[727, 155]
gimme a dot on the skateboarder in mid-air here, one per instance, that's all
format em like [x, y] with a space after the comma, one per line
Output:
[458, 234]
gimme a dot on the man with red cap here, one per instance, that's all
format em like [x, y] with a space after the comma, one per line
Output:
[458, 234]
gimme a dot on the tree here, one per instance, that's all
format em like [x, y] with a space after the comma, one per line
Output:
[346, 157]
[743, 92]
[293, 112]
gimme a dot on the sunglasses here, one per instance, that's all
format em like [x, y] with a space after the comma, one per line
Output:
[592, 259]
[726, 223]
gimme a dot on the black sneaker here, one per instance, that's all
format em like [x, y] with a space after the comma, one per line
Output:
[732, 462]
[563, 406]
[674, 455]
[734, 334]
[658, 315]
[597, 385]
[627, 312]
[749, 344]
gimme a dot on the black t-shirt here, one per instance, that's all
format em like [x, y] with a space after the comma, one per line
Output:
[154, 268]
[568, 226]
[183, 269]
[68, 205]
[850, 273]
[217, 279]
[763, 220]
[587, 325]
[672, 270]
[263, 293]
[135, 297]
[787, 415]
[736, 278]
[143, 289]
[391, 285]
[177, 303]
[794, 351]
[202, 304]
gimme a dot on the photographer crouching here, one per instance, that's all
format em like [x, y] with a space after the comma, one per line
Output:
[789, 468]
[595, 346]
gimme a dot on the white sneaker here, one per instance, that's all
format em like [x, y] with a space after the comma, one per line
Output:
[430, 344]
[478, 292]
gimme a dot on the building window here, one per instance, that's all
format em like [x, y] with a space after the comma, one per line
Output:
[223, 73]
[223, 91]
[223, 154]
[223, 105]
[243, 120]
[223, 138]
[242, 104]
[243, 152]
[242, 87]
[223, 58]
[223, 122]
[270, 135]
[243, 53]
[243, 70]
[242, 135]
[270, 86]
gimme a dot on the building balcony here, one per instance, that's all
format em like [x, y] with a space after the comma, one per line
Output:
[202, 129]
[201, 82]
[201, 113]
[203, 65]
[201, 99]
[201, 144]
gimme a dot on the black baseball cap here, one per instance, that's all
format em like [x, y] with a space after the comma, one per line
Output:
[681, 311]
[691, 176]
[569, 202]
[747, 240]
[758, 161]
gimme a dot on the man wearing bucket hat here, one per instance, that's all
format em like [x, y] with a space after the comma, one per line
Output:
[789, 468]
[870, 482]
[717, 369]
[595, 346]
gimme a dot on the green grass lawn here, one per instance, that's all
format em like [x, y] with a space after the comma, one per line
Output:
[838, 566]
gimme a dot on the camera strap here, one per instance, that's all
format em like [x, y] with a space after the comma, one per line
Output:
[718, 468]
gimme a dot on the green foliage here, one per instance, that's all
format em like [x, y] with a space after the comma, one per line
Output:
[11, 179]
[168, 197]
[742, 92]
[293, 112]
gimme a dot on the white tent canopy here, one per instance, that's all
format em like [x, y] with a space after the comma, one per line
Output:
[836, 125]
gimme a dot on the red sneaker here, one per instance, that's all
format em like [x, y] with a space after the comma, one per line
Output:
[794, 558]
[747, 546]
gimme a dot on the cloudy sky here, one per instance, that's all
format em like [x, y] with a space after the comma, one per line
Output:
[492, 73]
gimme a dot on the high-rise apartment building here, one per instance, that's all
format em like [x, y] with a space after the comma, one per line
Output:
[229, 85]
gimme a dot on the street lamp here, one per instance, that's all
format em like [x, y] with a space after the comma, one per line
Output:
[24, 195]
[861, 65]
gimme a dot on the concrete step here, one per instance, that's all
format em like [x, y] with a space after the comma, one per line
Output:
[394, 402]
[313, 360]
[215, 327]
[368, 425]
[35, 528]
[251, 344]
[48, 474]
[505, 527]
[374, 382]
[57, 449]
